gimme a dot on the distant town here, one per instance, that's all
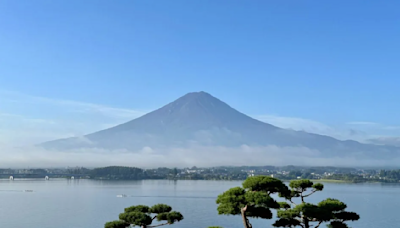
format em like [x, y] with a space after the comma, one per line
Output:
[335, 174]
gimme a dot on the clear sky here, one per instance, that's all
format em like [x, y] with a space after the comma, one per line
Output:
[70, 67]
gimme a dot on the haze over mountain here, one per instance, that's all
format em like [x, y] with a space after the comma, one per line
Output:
[199, 119]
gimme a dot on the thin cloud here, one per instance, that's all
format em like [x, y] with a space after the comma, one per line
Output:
[393, 141]
[362, 131]
[311, 126]
[362, 123]
[26, 119]
[180, 157]
[76, 106]
[391, 127]
[293, 122]
[9, 116]
[377, 130]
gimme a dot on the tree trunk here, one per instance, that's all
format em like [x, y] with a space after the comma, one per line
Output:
[244, 217]
[306, 223]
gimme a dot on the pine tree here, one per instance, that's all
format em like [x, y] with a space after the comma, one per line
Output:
[252, 200]
[308, 215]
[144, 216]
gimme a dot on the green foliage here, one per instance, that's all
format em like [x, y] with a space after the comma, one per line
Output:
[337, 224]
[290, 213]
[259, 212]
[303, 214]
[174, 216]
[390, 174]
[286, 222]
[300, 185]
[160, 208]
[254, 199]
[116, 224]
[262, 199]
[138, 208]
[346, 216]
[142, 215]
[318, 186]
[263, 183]
[231, 201]
[333, 205]
[171, 217]
[284, 205]
[136, 218]
[118, 172]
[348, 177]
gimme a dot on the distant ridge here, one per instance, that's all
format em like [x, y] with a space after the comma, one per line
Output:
[198, 118]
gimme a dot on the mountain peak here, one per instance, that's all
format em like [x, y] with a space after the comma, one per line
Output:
[196, 101]
[199, 94]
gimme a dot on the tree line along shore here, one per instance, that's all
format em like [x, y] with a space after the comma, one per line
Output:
[286, 173]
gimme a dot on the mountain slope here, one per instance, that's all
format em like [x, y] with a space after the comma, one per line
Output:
[201, 119]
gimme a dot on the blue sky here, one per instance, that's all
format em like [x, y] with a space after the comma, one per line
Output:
[71, 67]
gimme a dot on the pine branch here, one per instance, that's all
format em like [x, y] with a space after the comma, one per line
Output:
[290, 200]
[318, 224]
[312, 192]
[163, 224]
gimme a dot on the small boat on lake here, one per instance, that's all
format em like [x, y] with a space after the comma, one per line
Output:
[121, 195]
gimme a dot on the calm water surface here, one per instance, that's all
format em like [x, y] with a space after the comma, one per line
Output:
[89, 204]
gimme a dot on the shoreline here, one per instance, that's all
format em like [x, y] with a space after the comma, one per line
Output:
[313, 180]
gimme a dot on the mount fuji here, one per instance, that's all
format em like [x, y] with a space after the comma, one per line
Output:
[198, 118]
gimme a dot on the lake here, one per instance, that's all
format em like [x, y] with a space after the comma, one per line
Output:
[77, 203]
